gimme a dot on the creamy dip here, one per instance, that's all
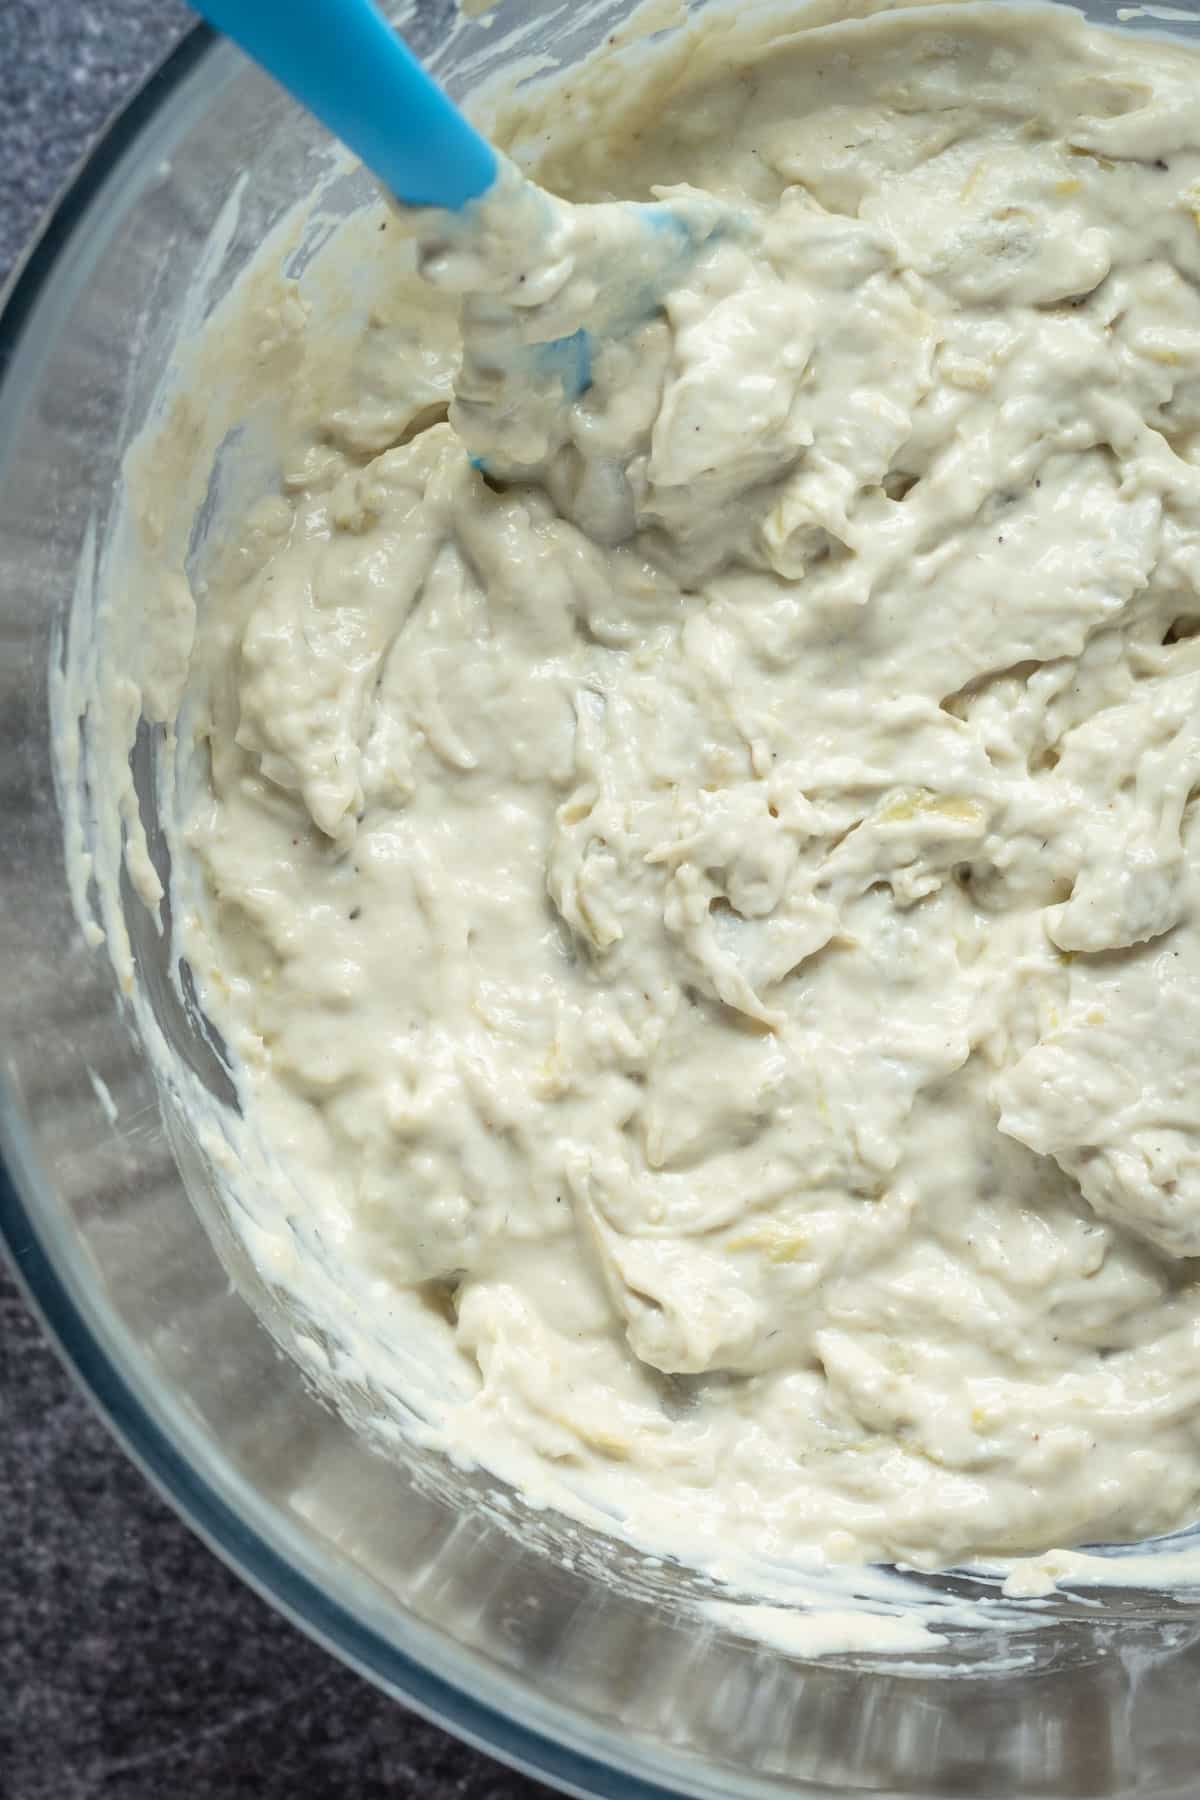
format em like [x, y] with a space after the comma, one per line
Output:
[703, 893]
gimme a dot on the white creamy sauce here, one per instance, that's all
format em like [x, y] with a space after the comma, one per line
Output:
[709, 905]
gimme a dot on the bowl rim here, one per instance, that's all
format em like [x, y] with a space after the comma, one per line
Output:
[447, 1703]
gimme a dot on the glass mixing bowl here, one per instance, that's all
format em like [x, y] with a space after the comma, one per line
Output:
[561, 1651]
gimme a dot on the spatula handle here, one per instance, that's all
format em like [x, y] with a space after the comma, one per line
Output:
[342, 61]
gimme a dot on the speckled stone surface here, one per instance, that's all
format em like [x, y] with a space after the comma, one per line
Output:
[133, 1666]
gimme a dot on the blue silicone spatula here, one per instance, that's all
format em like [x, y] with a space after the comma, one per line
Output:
[342, 60]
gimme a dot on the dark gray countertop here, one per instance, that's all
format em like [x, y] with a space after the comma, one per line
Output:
[133, 1665]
